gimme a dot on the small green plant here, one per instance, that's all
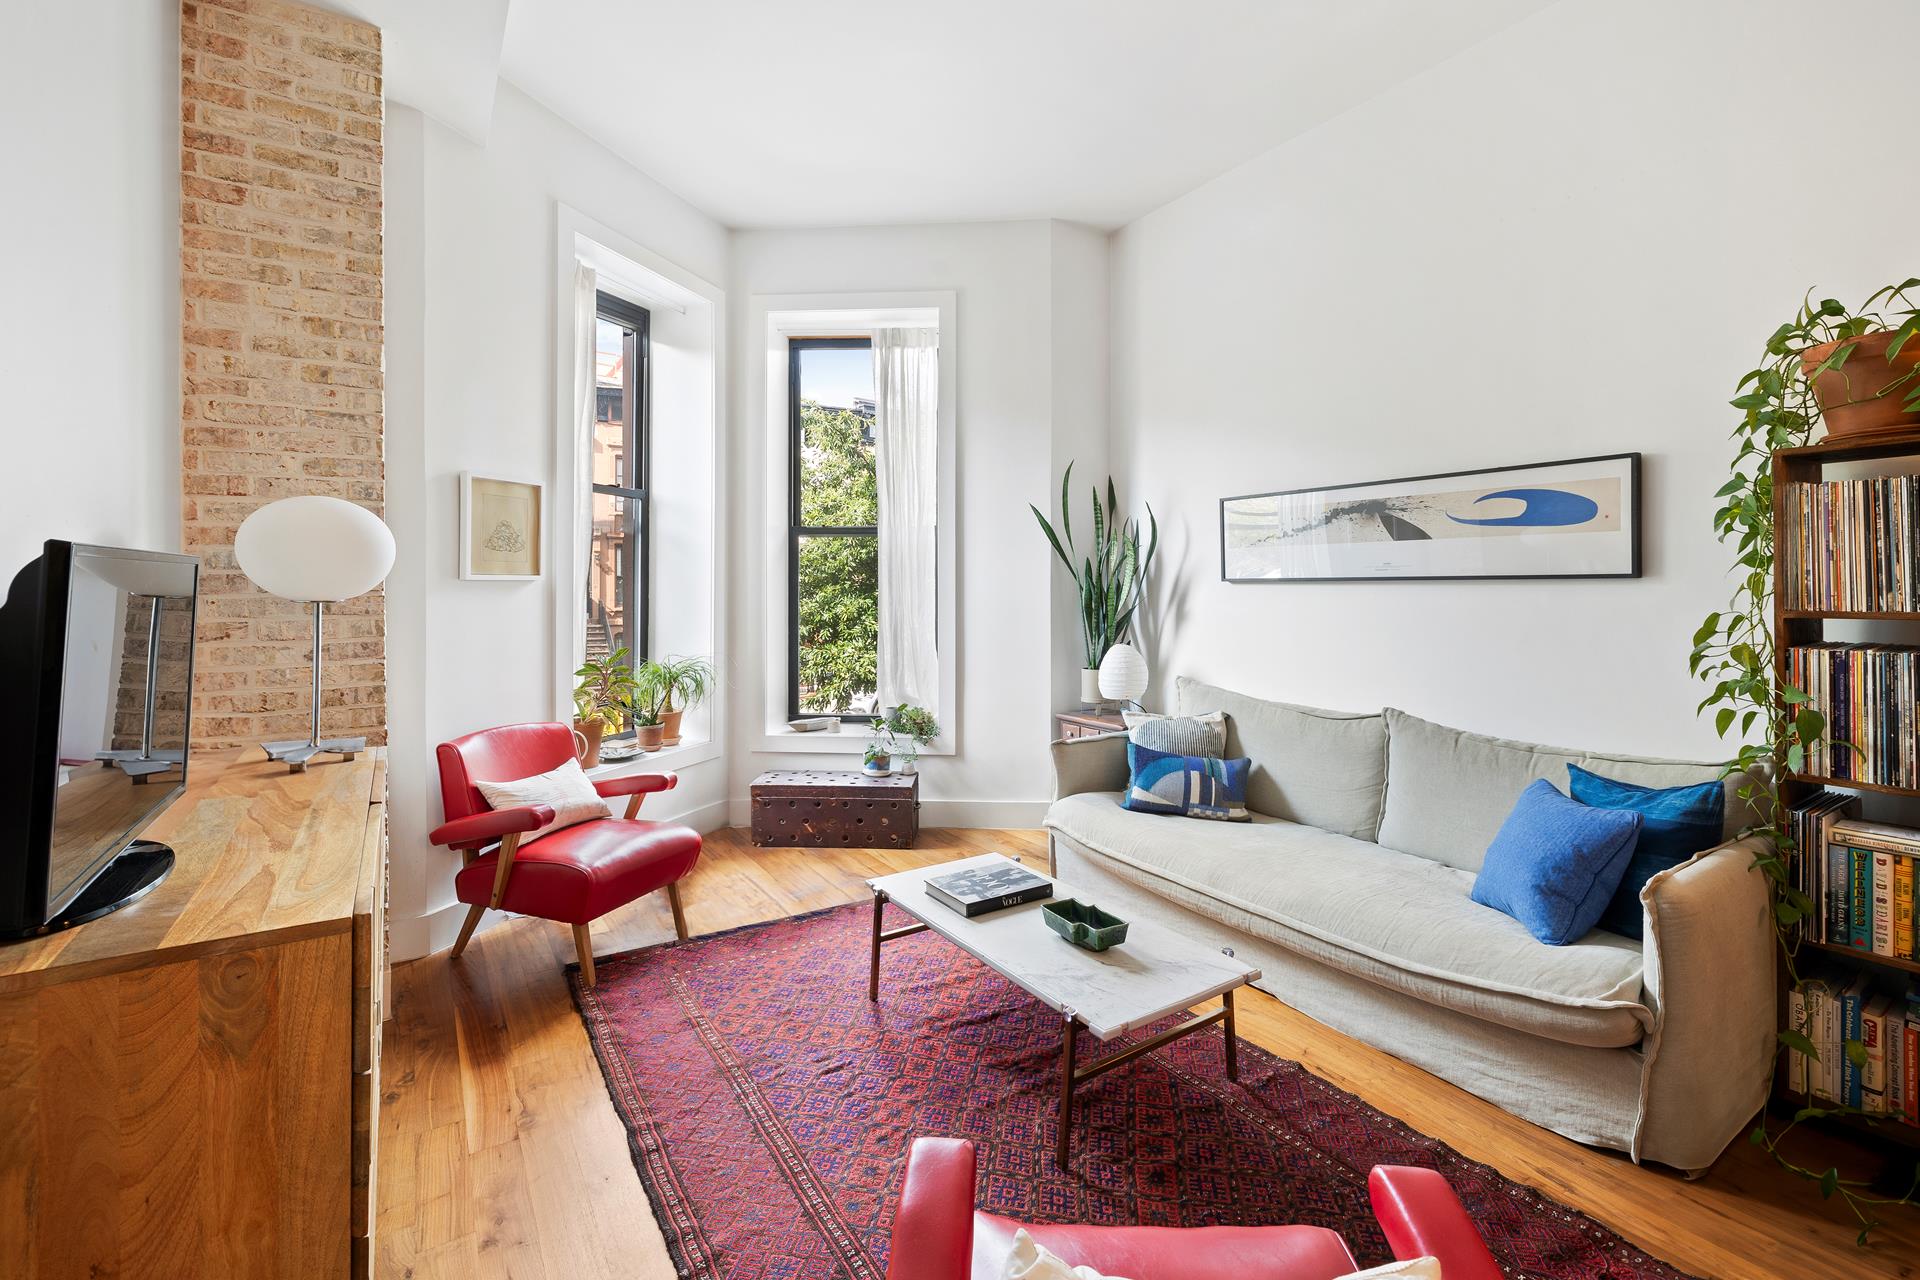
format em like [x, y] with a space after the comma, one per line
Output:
[916, 725]
[879, 752]
[1734, 650]
[1112, 575]
[604, 692]
[689, 681]
[652, 687]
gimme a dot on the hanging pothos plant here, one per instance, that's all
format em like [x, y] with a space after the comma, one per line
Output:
[1734, 649]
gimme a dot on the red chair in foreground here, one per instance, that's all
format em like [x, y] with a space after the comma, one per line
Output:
[939, 1235]
[576, 874]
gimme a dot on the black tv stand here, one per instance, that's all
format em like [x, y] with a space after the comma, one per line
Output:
[129, 877]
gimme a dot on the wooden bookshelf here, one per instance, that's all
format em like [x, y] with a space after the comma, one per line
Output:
[1858, 956]
[1794, 627]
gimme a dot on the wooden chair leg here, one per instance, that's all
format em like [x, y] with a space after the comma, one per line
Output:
[466, 929]
[583, 943]
[679, 912]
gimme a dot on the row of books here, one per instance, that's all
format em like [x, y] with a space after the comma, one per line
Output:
[1862, 879]
[1882, 1077]
[1846, 545]
[1867, 694]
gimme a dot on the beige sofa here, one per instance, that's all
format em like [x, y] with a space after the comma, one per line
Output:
[1349, 890]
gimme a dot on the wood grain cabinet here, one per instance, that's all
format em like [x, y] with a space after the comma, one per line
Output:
[1086, 724]
[190, 1087]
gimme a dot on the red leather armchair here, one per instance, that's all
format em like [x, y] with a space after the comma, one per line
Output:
[576, 874]
[939, 1235]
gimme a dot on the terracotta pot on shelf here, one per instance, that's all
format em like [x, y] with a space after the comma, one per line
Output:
[670, 726]
[1850, 397]
[649, 736]
[591, 730]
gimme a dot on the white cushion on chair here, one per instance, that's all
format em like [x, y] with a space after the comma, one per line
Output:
[567, 789]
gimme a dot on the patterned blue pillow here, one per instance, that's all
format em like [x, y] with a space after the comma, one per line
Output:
[1187, 786]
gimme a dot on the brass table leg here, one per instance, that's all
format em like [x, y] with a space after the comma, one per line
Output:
[1069, 1034]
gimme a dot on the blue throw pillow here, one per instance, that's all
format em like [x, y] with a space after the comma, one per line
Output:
[1189, 786]
[1556, 863]
[1676, 823]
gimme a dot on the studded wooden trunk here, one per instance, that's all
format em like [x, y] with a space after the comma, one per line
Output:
[821, 808]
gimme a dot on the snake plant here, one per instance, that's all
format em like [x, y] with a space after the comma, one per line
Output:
[1112, 574]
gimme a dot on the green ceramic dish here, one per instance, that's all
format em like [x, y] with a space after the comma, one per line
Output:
[1084, 925]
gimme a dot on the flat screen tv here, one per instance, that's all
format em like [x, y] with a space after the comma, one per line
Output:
[96, 669]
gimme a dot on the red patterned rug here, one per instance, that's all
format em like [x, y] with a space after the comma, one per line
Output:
[770, 1108]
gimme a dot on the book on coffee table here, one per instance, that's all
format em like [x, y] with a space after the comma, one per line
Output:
[978, 890]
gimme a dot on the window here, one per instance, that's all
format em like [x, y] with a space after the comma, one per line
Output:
[833, 579]
[617, 550]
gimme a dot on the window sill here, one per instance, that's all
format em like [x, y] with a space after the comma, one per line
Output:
[670, 758]
[849, 740]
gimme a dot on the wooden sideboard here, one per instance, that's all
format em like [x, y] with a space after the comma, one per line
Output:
[1086, 724]
[190, 1086]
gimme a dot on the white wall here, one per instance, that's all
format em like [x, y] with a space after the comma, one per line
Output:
[1079, 335]
[479, 263]
[1008, 385]
[89, 252]
[1569, 240]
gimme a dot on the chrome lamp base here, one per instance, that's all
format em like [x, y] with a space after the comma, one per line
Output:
[296, 754]
[141, 764]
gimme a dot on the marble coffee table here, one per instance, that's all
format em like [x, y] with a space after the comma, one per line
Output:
[1155, 972]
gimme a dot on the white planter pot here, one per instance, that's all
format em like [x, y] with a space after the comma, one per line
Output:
[907, 768]
[1090, 686]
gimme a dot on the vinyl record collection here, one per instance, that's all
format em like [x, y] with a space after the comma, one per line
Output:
[1846, 545]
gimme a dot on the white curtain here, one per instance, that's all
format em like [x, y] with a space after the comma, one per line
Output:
[586, 317]
[906, 429]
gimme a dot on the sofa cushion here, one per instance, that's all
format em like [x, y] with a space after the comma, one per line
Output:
[1325, 769]
[1405, 923]
[1448, 790]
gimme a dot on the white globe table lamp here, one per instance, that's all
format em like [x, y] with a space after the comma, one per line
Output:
[1123, 674]
[319, 551]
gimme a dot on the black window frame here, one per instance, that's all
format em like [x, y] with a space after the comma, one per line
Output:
[637, 446]
[796, 529]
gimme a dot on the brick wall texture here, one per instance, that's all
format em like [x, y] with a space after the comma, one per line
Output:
[281, 345]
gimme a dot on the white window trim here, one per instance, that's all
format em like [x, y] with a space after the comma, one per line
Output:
[644, 277]
[780, 317]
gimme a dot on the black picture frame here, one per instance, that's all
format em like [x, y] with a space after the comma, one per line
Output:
[1633, 532]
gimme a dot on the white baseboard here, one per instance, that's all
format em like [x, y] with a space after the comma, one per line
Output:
[1017, 814]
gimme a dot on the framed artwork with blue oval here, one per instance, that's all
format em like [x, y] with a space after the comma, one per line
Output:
[1579, 518]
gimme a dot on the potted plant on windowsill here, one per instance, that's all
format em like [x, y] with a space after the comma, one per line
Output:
[652, 687]
[918, 727]
[689, 681]
[1111, 577]
[602, 700]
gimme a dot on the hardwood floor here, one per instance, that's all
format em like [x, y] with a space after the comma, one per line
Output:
[500, 1154]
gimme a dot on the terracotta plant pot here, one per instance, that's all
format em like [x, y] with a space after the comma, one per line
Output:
[670, 727]
[649, 736]
[591, 730]
[1850, 397]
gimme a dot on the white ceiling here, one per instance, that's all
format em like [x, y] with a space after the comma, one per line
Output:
[842, 112]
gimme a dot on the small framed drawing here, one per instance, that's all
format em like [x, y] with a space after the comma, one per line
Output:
[1579, 518]
[499, 529]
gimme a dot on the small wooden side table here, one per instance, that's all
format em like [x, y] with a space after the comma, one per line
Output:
[1085, 724]
[835, 809]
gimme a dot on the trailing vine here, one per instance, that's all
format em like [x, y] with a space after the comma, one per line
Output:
[1734, 650]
